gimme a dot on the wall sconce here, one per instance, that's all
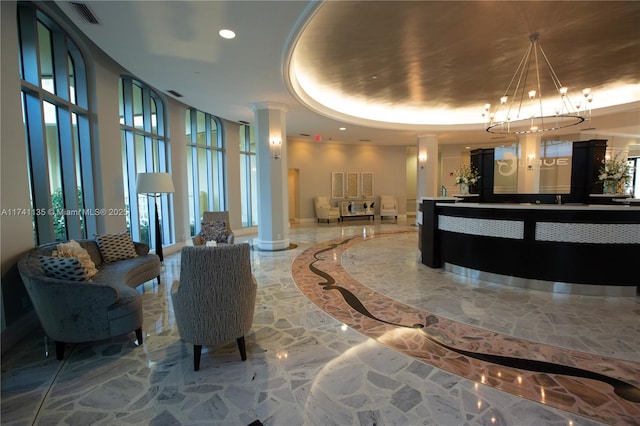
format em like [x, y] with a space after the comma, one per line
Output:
[530, 159]
[276, 148]
[422, 158]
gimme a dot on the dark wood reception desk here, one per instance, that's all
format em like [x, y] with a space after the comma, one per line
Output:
[585, 249]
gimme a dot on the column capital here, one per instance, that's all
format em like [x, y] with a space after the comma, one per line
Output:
[268, 106]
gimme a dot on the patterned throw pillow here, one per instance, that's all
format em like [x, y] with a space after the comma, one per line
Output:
[114, 247]
[213, 231]
[63, 268]
[74, 249]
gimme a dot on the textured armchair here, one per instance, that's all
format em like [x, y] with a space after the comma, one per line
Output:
[388, 206]
[324, 210]
[214, 300]
[215, 217]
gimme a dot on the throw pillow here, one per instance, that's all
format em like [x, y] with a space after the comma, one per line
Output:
[213, 231]
[63, 268]
[74, 249]
[114, 247]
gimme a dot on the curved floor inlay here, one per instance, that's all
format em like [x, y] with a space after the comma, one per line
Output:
[604, 389]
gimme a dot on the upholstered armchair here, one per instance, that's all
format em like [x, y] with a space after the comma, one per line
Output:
[214, 300]
[324, 210]
[388, 206]
[212, 218]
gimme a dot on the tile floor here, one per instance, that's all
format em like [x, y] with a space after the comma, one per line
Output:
[305, 367]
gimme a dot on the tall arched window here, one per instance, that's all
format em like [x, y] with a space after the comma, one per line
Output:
[205, 166]
[144, 149]
[56, 120]
[248, 176]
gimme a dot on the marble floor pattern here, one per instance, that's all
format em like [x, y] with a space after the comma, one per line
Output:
[304, 366]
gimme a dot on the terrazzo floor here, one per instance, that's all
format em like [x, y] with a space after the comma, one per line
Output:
[315, 360]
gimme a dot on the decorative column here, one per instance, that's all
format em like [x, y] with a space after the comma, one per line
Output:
[529, 182]
[273, 198]
[427, 167]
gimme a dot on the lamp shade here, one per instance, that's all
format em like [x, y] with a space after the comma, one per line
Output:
[154, 183]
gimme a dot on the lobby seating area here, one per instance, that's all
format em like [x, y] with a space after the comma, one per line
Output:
[307, 367]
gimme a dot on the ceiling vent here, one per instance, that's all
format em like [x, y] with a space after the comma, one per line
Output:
[364, 140]
[174, 93]
[85, 13]
[304, 134]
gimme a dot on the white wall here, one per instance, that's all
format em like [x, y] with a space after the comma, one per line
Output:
[16, 229]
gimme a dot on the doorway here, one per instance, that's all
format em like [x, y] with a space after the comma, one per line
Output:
[294, 195]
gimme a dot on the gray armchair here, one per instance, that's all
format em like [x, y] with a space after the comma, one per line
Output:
[214, 300]
[216, 217]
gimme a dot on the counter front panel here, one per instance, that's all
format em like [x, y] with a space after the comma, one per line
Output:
[581, 245]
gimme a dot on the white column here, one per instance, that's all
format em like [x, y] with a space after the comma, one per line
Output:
[273, 199]
[529, 181]
[427, 166]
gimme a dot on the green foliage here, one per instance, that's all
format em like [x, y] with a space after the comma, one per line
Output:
[59, 218]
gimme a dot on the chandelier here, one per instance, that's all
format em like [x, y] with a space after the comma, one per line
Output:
[525, 111]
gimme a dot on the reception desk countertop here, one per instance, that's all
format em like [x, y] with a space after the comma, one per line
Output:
[515, 206]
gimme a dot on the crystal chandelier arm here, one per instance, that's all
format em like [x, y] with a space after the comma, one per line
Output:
[524, 71]
[566, 102]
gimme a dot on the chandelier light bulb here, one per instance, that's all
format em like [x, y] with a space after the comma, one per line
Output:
[563, 91]
[503, 100]
[586, 92]
[532, 94]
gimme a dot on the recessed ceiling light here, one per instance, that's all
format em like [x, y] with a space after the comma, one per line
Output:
[467, 147]
[228, 34]
[342, 128]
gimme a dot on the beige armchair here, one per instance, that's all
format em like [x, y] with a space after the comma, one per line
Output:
[222, 217]
[324, 210]
[388, 206]
[214, 300]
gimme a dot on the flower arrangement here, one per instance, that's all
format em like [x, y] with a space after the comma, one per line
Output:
[615, 173]
[616, 169]
[467, 175]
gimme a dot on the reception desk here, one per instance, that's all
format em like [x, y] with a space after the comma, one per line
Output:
[584, 249]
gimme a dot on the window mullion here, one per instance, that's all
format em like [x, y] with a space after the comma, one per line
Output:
[39, 168]
[28, 29]
[68, 166]
[60, 65]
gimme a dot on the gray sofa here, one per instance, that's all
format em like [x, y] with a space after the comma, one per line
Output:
[75, 311]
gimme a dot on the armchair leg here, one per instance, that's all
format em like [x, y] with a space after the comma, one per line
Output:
[158, 279]
[139, 336]
[60, 350]
[241, 346]
[197, 351]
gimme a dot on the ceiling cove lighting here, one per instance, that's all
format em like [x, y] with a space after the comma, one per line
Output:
[228, 34]
[526, 111]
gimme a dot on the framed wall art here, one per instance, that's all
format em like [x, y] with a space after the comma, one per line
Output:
[353, 185]
[366, 179]
[337, 184]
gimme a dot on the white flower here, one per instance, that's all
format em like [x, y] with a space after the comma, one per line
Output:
[616, 169]
[467, 175]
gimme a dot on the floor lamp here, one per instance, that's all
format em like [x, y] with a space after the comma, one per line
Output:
[153, 185]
